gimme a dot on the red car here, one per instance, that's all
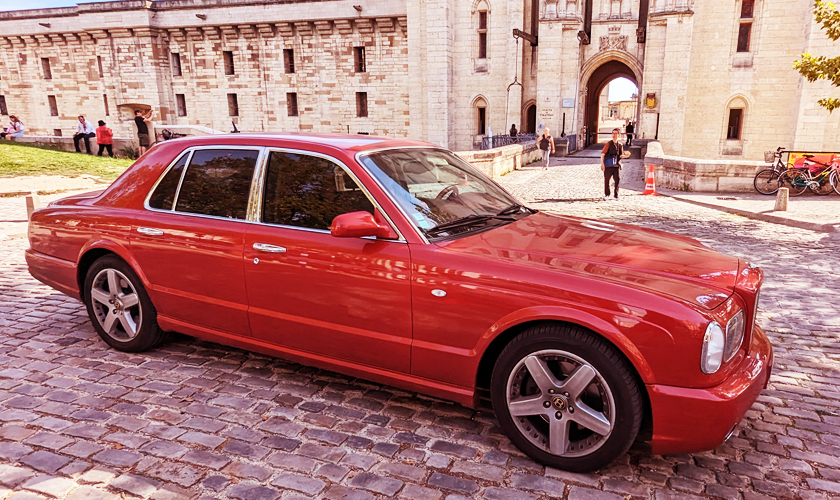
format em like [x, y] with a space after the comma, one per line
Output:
[396, 261]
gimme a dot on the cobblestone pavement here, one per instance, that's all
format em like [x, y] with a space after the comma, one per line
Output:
[194, 419]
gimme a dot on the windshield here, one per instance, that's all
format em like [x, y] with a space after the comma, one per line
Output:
[436, 189]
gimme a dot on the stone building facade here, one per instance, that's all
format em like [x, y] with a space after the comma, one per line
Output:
[716, 77]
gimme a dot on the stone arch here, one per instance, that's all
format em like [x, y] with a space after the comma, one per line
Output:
[480, 120]
[480, 5]
[596, 73]
[529, 117]
[736, 101]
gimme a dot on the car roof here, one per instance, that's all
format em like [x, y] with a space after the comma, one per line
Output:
[346, 142]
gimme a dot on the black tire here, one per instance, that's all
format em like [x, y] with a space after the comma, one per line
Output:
[767, 181]
[132, 315]
[795, 180]
[612, 395]
[834, 180]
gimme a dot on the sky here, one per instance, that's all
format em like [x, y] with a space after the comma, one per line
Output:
[38, 4]
[621, 89]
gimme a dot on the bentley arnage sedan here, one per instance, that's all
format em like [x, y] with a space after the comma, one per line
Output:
[397, 262]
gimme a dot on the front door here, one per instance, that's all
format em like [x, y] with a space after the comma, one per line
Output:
[340, 298]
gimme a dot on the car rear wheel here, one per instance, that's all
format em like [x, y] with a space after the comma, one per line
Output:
[119, 307]
[566, 398]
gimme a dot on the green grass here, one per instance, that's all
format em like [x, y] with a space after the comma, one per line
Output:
[23, 159]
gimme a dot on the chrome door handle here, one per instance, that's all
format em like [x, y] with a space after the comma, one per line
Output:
[149, 231]
[264, 247]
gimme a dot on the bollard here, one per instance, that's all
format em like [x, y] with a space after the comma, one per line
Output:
[781, 200]
[32, 204]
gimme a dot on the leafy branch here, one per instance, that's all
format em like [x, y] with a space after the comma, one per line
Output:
[815, 68]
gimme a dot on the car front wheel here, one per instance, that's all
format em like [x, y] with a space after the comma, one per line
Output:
[118, 306]
[566, 398]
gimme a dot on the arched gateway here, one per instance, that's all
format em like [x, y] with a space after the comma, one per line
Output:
[595, 75]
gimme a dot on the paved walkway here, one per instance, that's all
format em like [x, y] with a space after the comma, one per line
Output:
[193, 419]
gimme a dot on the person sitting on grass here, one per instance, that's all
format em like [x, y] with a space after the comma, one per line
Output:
[105, 139]
[15, 129]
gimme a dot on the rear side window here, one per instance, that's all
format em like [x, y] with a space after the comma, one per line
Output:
[308, 191]
[165, 191]
[218, 182]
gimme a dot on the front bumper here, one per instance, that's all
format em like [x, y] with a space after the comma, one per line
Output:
[691, 420]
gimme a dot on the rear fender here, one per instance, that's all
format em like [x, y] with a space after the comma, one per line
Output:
[121, 251]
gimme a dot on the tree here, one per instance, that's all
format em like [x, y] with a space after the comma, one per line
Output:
[821, 67]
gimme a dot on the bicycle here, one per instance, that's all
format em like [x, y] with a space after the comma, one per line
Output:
[797, 180]
[767, 180]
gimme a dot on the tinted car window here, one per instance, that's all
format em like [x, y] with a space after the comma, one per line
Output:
[308, 191]
[165, 191]
[218, 182]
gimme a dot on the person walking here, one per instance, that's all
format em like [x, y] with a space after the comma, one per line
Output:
[611, 157]
[629, 129]
[105, 139]
[141, 120]
[546, 143]
[84, 131]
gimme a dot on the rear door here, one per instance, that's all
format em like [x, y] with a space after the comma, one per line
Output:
[189, 240]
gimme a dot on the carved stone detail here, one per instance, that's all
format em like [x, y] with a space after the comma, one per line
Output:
[550, 9]
[613, 43]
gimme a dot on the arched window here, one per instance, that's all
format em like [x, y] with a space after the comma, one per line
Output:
[480, 106]
[736, 114]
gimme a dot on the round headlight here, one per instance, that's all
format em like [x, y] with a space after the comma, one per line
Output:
[734, 335]
[713, 344]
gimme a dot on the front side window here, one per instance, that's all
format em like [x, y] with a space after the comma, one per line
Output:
[218, 182]
[309, 191]
[439, 191]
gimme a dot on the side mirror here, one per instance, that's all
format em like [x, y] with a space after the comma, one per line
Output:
[357, 225]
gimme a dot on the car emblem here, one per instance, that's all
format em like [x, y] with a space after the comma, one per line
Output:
[559, 403]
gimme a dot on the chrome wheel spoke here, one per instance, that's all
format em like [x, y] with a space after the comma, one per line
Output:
[129, 300]
[593, 420]
[110, 322]
[578, 381]
[542, 376]
[113, 282]
[558, 438]
[527, 406]
[100, 296]
[128, 324]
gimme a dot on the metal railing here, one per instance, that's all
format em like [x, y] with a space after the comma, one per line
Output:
[497, 141]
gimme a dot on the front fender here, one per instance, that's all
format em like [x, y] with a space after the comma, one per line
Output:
[604, 323]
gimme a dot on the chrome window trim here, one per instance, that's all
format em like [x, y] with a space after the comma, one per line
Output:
[255, 194]
[186, 152]
[264, 172]
[181, 181]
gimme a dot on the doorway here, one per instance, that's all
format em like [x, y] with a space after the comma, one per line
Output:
[602, 113]
[530, 119]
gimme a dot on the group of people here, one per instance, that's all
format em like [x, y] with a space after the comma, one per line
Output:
[85, 132]
[15, 128]
[105, 136]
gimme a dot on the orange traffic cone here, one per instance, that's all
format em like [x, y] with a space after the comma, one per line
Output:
[650, 182]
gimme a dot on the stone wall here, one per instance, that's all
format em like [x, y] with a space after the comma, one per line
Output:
[107, 59]
[499, 161]
[689, 174]
[66, 143]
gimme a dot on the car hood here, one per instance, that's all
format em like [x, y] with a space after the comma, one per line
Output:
[642, 258]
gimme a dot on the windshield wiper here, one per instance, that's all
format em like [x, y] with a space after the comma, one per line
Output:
[514, 209]
[469, 220]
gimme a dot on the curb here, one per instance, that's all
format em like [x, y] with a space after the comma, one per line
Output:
[775, 219]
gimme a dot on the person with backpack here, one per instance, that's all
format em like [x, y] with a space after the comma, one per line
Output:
[611, 157]
[546, 143]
